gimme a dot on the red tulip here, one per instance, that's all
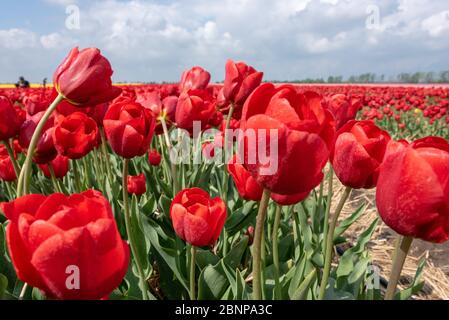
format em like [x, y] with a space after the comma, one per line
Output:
[69, 247]
[240, 81]
[412, 194]
[129, 128]
[84, 78]
[137, 184]
[343, 108]
[7, 172]
[10, 121]
[359, 150]
[97, 112]
[289, 200]
[305, 136]
[194, 105]
[60, 167]
[76, 135]
[197, 219]
[45, 150]
[154, 158]
[195, 78]
[247, 186]
[36, 102]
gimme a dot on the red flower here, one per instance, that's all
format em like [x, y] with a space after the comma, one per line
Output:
[137, 184]
[10, 121]
[36, 102]
[247, 186]
[55, 237]
[240, 81]
[197, 219]
[84, 78]
[60, 166]
[413, 189]
[289, 200]
[359, 150]
[76, 135]
[97, 112]
[195, 78]
[305, 136]
[45, 150]
[194, 105]
[129, 128]
[154, 158]
[7, 172]
[343, 108]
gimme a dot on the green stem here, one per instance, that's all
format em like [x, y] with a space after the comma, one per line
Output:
[260, 221]
[192, 272]
[54, 180]
[104, 150]
[277, 221]
[13, 159]
[24, 177]
[143, 281]
[400, 254]
[225, 181]
[76, 176]
[330, 243]
[330, 181]
[173, 167]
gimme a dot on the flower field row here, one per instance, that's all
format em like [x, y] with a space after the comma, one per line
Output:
[206, 191]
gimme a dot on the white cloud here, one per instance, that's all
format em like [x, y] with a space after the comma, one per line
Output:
[17, 39]
[56, 41]
[288, 39]
[437, 24]
[62, 2]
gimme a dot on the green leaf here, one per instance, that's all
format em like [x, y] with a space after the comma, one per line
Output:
[167, 251]
[345, 224]
[165, 204]
[3, 285]
[301, 292]
[346, 265]
[5, 263]
[36, 294]
[138, 238]
[416, 286]
[234, 257]
[212, 283]
[241, 218]
[205, 258]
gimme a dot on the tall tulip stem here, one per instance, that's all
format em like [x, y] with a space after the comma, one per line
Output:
[225, 181]
[104, 151]
[257, 253]
[330, 242]
[330, 181]
[13, 159]
[24, 177]
[400, 254]
[277, 221]
[143, 282]
[173, 168]
[192, 273]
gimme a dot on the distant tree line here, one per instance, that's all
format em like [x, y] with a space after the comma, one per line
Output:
[417, 77]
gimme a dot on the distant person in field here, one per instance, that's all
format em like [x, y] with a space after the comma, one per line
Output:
[22, 83]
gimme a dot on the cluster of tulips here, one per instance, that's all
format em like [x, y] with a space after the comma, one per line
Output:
[174, 230]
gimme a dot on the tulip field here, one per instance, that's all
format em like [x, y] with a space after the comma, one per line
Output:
[216, 191]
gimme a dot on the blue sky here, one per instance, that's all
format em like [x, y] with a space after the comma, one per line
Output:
[287, 39]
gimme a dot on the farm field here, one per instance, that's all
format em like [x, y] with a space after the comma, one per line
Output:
[222, 191]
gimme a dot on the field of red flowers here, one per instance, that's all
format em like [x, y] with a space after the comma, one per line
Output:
[211, 191]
